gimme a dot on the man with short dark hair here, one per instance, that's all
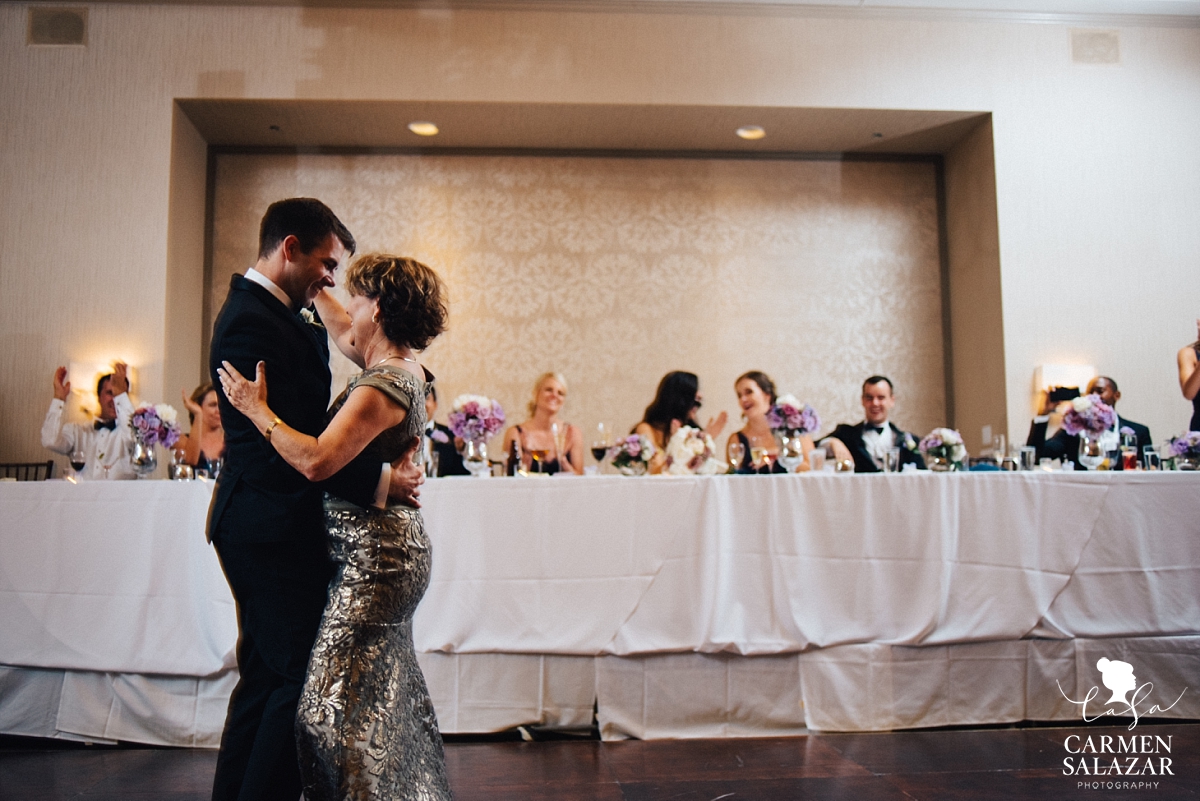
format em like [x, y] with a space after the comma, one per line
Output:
[1065, 446]
[439, 439]
[107, 441]
[266, 520]
[868, 441]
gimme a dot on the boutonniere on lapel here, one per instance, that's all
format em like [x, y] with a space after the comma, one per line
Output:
[910, 442]
[308, 317]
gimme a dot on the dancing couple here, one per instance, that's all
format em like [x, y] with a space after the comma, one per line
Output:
[315, 519]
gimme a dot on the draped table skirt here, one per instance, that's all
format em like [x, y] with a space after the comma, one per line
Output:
[716, 606]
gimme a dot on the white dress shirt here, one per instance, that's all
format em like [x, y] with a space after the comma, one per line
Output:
[878, 443]
[103, 447]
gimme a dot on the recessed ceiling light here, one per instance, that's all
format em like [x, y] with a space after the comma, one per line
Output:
[751, 132]
[422, 128]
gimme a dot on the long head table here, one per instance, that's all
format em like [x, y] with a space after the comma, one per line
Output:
[116, 577]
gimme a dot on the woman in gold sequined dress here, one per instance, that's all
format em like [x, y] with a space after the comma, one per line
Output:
[366, 728]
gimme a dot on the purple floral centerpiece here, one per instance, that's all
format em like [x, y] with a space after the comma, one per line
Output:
[1185, 450]
[791, 416]
[944, 449]
[155, 425]
[476, 418]
[632, 454]
[1088, 415]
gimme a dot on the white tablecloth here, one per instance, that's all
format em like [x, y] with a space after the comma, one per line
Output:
[545, 593]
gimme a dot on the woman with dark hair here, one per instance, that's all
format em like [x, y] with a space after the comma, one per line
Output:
[206, 441]
[1189, 377]
[366, 727]
[674, 406]
[759, 448]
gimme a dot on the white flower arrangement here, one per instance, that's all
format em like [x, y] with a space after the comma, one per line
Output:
[944, 443]
[691, 453]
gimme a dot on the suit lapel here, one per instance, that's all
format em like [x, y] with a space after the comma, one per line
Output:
[283, 312]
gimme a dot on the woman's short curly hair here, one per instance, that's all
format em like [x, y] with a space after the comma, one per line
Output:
[411, 297]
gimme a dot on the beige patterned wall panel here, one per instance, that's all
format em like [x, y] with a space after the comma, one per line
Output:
[615, 271]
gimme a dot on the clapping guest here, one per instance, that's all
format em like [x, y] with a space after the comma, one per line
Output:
[536, 435]
[674, 406]
[206, 440]
[107, 442]
[756, 395]
[440, 439]
[1189, 377]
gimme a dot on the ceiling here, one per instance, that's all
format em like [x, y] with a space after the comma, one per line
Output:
[382, 125]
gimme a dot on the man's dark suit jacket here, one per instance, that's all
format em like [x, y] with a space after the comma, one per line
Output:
[450, 461]
[268, 526]
[260, 498]
[1065, 446]
[852, 438]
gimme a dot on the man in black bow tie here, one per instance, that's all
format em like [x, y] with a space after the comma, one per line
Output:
[868, 441]
[107, 442]
[266, 520]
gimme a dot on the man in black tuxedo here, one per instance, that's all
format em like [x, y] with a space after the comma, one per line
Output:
[870, 440]
[266, 520]
[441, 439]
[1064, 446]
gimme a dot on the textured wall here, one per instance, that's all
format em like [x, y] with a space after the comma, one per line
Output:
[615, 271]
[1097, 166]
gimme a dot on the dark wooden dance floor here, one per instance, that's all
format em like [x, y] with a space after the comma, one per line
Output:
[970, 764]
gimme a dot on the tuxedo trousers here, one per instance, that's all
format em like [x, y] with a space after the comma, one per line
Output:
[280, 590]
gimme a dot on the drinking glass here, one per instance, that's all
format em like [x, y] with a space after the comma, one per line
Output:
[601, 442]
[536, 459]
[431, 464]
[758, 456]
[559, 432]
[1150, 458]
[891, 460]
[999, 449]
[737, 452]
[816, 459]
[78, 461]
[1028, 457]
[1129, 460]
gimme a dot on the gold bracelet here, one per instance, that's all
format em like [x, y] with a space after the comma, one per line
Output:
[271, 427]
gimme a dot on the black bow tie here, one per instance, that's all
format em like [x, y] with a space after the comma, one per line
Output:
[111, 425]
[876, 429]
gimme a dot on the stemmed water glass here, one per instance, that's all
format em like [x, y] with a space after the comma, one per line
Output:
[737, 452]
[559, 432]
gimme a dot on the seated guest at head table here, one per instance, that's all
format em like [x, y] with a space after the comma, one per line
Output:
[1065, 447]
[439, 439]
[536, 436]
[674, 406]
[206, 440]
[753, 449]
[868, 441]
[1189, 377]
[106, 444]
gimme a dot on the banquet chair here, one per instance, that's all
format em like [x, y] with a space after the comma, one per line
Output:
[27, 471]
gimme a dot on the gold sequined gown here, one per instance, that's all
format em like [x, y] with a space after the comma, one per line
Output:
[366, 728]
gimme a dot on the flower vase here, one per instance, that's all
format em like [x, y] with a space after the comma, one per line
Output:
[145, 460]
[940, 464]
[635, 468]
[791, 450]
[475, 458]
[1091, 454]
[1187, 461]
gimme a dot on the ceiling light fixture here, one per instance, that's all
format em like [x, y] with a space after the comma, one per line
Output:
[422, 128]
[751, 132]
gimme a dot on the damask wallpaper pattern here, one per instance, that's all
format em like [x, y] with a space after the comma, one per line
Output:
[615, 271]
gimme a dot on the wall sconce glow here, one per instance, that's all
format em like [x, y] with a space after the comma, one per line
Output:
[422, 128]
[1046, 376]
[84, 375]
[751, 132]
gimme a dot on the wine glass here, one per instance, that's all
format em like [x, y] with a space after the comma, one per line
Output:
[559, 432]
[758, 457]
[601, 443]
[537, 458]
[78, 460]
[737, 452]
